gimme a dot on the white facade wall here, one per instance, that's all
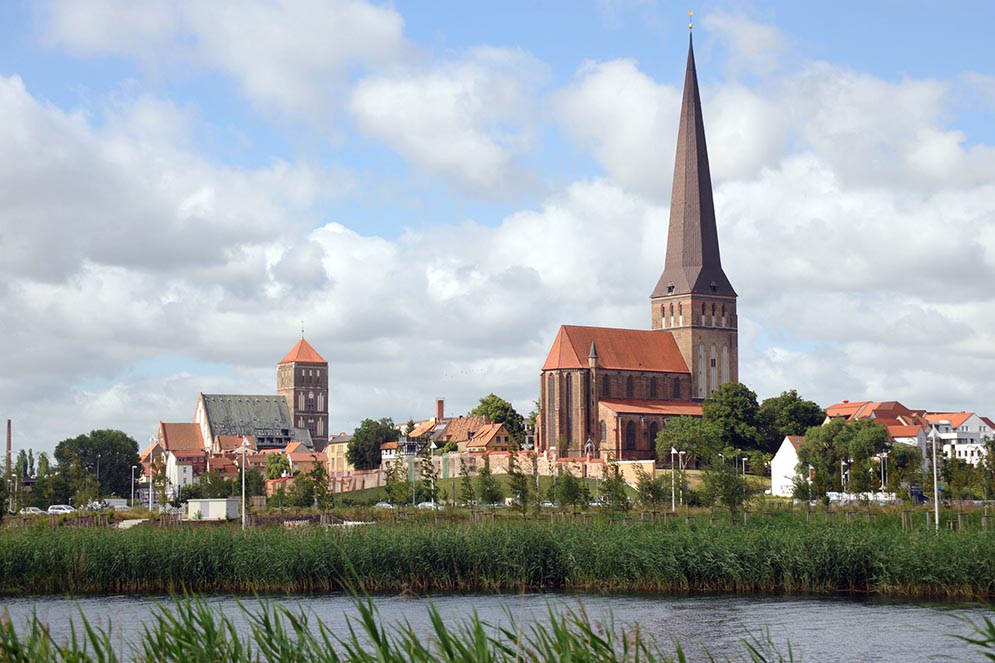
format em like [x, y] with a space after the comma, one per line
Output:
[782, 469]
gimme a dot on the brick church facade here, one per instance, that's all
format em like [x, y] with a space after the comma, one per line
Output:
[608, 392]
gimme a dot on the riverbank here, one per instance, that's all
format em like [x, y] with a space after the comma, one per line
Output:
[763, 558]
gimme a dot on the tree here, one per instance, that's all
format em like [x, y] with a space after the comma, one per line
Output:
[277, 465]
[733, 409]
[613, 489]
[364, 449]
[501, 411]
[787, 414]
[467, 493]
[986, 467]
[723, 486]
[113, 450]
[427, 489]
[863, 439]
[820, 456]
[652, 491]
[696, 437]
[568, 489]
[904, 462]
[519, 482]
[396, 482]
[487, 486]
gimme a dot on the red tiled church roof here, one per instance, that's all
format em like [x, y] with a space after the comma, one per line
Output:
[180, 436]
[303, 353]
[674, 408]
[619, 349]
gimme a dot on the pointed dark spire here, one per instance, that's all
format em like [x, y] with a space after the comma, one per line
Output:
[593, 354]
[692, 264]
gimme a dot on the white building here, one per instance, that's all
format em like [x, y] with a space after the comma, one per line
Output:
[783, 466]
[962, 434]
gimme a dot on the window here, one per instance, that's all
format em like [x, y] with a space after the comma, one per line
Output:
[653, 387]
[677, 389]
[605, 389]
[604, 430]
[654, 429]
[570, 409]
[630, 435]
[629, 388]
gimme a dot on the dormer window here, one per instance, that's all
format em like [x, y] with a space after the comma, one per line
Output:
[714, 286]
[670, 288]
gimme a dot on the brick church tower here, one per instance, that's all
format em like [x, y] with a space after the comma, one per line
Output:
[693, 299]
[302, 378]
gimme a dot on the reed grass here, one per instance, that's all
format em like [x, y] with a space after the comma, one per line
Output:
[190, 630]
[776, 557]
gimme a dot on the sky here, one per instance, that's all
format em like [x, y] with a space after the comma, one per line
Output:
[431, 188]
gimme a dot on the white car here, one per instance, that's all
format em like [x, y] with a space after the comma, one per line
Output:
[430, 505]
[31, 511]
[383, 505]
[61, 508]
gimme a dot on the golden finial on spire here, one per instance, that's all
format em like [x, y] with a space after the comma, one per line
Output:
[690, 20]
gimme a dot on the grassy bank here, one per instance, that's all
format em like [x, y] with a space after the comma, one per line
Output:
[504, 556]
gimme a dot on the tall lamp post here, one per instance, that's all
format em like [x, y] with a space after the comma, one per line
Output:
[245, 452]
[936, 488]
[98, 475]
[133, 468]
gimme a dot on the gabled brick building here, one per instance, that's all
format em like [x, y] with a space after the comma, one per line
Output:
[302, 378]
[607, 391]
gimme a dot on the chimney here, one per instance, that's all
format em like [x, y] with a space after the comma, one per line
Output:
[8, 449]
[440, 409]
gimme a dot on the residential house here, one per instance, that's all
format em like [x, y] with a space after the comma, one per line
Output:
[784, 466]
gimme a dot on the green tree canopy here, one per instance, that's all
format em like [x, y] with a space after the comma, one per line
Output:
[696, 437]
[787, 414]
[116, 451]
[277, 465]
[501, 411]
[733, 409]
[364, 449]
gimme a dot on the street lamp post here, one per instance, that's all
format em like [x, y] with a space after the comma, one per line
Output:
[133, 468]
[98, 475]
[744, 466]
[245, 452]
[936, 489]
[673, 484]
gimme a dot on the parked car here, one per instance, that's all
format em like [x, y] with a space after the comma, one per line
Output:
[546, 504]
[430, 505]
[61, 508]
[383, 505]
[31, 511]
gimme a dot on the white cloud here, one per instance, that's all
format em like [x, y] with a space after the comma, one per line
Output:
[291, 57]
[467, 120]
[627, 120]
[753, 47]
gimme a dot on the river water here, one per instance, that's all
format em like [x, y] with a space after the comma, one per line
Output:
[819, 629]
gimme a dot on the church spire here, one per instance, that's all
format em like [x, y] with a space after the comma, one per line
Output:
[692, 262]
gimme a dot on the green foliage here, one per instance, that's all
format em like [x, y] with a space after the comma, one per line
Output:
[653, 491]
[732, 410]
[840, 448]
[787, 414]
[466, 490]
[519, 482]
[696, 437]
[488, 488]
[277, 465]
[427, 489]
[501, 411]
[781, 555]
[568, 489]
[364, 449]
[613, 495]
[396, 482]
[723, 486]
[79, 456]
[190, 629]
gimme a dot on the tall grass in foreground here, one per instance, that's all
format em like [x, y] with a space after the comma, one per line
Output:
[504, 556]
[193, 631]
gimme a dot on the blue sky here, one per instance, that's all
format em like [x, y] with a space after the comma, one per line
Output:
[435, 186]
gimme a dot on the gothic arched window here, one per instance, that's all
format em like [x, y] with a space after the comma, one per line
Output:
[653, 387]
[630, 435]
[605, 388]
[629, 387]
